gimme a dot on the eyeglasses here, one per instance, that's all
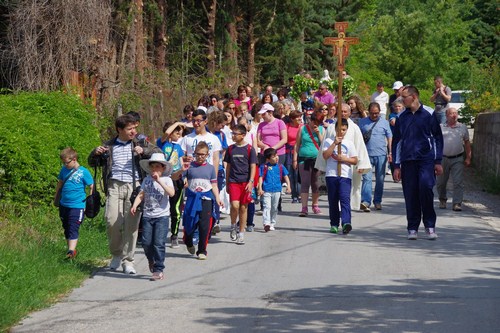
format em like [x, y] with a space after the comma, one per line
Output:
[404, 96]
[197, 121]
[68, 162]
[324, 108]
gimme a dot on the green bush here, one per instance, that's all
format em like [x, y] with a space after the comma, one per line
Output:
[34, 128]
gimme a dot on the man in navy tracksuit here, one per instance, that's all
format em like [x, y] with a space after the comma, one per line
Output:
[417, 146]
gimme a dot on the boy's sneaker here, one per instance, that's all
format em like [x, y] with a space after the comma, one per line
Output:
[129, 269]
[240, 240]
[457, 207]
[267, 227]
[202, 256]
[71, 254]
[157, 276]
[315, 209]
[295, 200]
[174, 242]
[249, 228]
[346, 228]
[303, 212]
[334, 230]
[151, 265]
[431, 233]
[115, 263]
[272, 228]
[259, 212]
[412, 235]
[191, 249]
[233, 234]
[216, 229]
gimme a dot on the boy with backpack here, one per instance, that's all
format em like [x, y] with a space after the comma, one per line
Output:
[272, 174]
[241, 161]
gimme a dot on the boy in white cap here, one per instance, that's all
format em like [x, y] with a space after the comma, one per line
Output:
[156, 189]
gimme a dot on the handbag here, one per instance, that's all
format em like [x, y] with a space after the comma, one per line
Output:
[57, 198]
[368, 134]
[93, 201]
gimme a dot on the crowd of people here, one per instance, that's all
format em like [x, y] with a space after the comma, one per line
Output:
[243, 155]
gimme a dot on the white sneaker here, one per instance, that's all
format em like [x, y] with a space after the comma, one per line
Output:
[412, 234]
[272, 227]
[240, 240]
[128, 269]
[233, 234]
[115, 263]
[431, 233]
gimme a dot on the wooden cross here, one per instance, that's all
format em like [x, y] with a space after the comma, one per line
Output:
[341, 44]
[341, 51]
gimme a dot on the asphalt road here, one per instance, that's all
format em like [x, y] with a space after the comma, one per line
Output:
[301, 278]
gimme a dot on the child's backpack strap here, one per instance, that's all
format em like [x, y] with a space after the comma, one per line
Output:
[265, 172]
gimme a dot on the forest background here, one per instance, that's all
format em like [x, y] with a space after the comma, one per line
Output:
[155, 56]
[69, 67]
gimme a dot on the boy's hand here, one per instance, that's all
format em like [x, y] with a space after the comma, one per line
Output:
[221, 204]
[156, 176]
[133, 210]
[288, 190]
[260, 192]
[249, 187]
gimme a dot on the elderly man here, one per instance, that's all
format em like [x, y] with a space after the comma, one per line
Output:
[323, 95]
[353, 134]
[380, 139]
[455, 144]
[417, 148]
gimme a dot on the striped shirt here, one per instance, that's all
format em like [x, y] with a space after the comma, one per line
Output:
[121, 168]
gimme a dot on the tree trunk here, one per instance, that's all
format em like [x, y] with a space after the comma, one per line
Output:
[211, 38]
[231, 63]
[139, 39]
[160, 39]
[251, 52]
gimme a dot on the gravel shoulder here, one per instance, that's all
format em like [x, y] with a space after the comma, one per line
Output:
[484, 204]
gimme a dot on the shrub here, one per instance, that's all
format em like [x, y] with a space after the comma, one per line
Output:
[33, 130]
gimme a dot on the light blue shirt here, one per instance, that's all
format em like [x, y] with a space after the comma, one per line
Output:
[377, 146]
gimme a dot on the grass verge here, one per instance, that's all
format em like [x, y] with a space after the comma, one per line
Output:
[33, 270]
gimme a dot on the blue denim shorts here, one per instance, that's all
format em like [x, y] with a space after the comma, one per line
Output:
[71, 219]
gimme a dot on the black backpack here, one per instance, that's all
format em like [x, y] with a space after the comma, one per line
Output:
[93, 201]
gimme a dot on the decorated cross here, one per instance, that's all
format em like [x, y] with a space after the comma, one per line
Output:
[341, 51]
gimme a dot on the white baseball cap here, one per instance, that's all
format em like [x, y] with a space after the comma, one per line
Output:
[397, 85]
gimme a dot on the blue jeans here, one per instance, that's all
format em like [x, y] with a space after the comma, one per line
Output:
[379, 163]
[339, 191]
[270, 201]
[154, 234]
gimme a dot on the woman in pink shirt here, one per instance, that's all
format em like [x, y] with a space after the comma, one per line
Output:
[292, 129]
[243, 97]
[271, 133]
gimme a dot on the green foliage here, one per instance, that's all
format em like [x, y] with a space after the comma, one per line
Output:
[33, 271]
[35, 127]
[485, 90]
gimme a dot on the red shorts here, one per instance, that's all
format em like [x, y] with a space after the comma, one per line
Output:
[237, 192]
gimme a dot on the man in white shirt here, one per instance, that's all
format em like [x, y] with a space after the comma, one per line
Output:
[382, 98]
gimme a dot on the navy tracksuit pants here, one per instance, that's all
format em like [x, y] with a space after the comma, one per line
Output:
[418, 180]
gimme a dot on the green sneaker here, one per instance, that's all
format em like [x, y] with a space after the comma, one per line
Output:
[334, 230]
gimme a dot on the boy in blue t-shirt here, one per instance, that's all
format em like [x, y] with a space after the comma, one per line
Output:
[70, 197]
[270, 181]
